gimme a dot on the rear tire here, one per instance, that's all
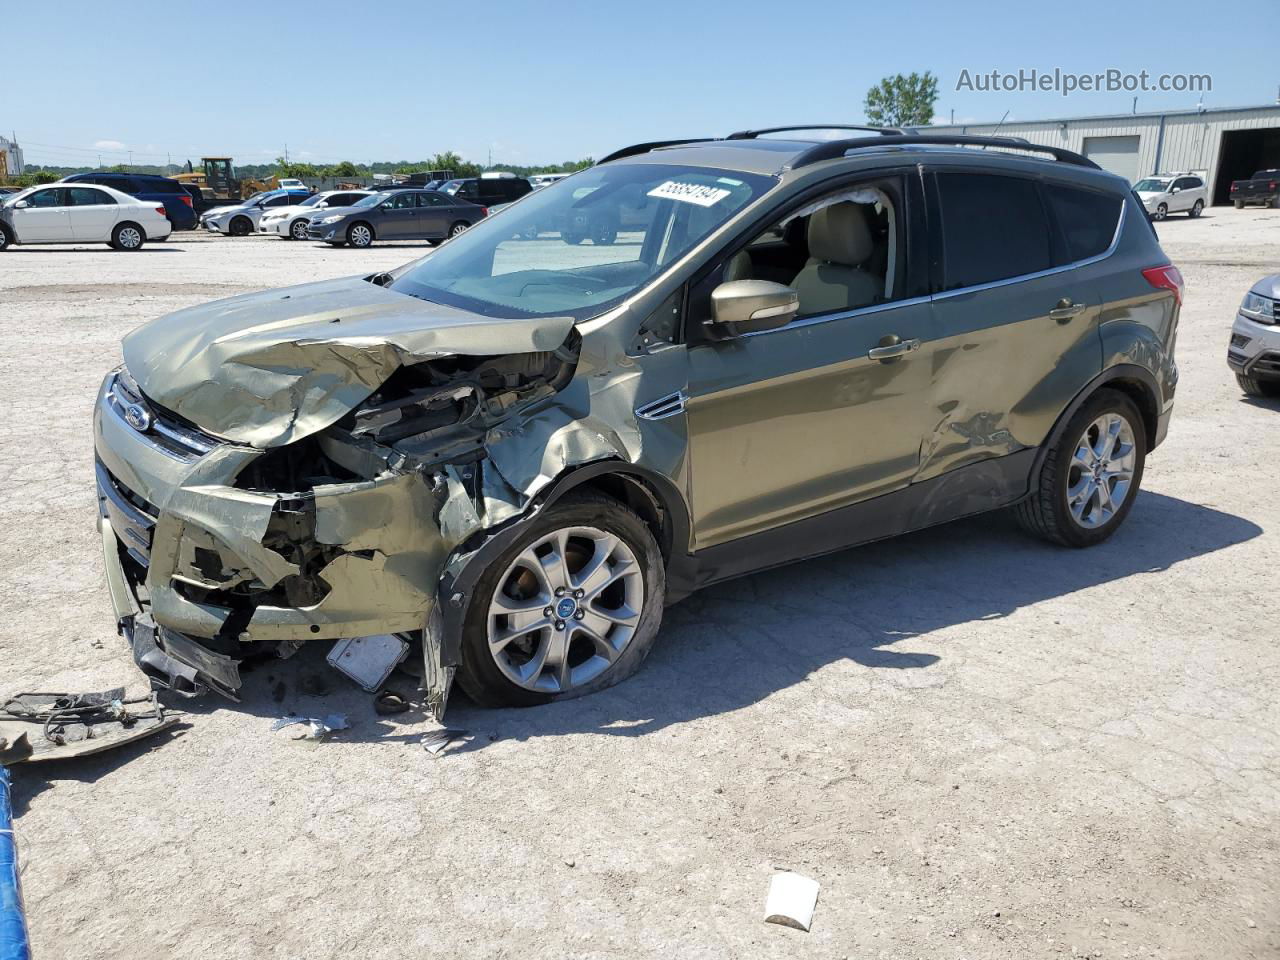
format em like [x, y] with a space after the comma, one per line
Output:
[1068, 505]
[486, 672]
[1239, 204]
[128, 236]
[1254, 387]
[457, 228]
[1196, 209]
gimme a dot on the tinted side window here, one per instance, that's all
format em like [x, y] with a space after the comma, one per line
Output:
[993, 228]
[1088, 219]
[87, 197]
[432, 200]
[47, 198]
[283, 200]
[161, 185]
[123, 184]
[344, 199]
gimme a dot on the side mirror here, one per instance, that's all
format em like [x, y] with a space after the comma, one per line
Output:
[1176, 190]
[21, 205]
[749, 306]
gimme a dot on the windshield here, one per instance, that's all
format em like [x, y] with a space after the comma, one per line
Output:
[1152, 185]
[372, 200]
[578, 246]
[312, 200]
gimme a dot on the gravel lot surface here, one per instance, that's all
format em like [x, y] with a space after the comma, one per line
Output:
[980, 745]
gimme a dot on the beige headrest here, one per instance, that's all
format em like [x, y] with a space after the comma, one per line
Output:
[839, 234]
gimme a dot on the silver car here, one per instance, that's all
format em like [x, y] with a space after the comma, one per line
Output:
[242, 219]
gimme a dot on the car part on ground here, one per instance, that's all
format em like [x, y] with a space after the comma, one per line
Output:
[368, 660]
[449, 450]
[57, 726]
[1254, 352]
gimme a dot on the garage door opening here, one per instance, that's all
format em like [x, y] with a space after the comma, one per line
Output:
[1118, 155]
[1243, 152]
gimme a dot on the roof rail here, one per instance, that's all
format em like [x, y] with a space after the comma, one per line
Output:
[637, 148]
[832, 149]
[754, 134]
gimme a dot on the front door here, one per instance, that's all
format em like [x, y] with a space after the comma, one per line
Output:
[829, 410]
[92, 213]
[397, 216]
[44, 218]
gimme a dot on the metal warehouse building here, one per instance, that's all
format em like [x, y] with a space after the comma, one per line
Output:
[1220, 145]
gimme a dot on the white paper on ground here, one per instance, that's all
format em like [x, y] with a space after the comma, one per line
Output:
[791, 901]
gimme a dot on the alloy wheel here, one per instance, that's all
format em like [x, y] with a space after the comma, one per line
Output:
[565, 609]
[360, 236]
[1162, 211]
[1100, 476]
[130, 238]
[299, 229]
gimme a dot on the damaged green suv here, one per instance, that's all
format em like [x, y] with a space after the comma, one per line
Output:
[514, 451]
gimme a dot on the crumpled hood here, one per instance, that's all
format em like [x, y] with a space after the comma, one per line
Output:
[266, 369]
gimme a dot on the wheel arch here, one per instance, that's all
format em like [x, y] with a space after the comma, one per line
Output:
[654, 498]
[373, 231]
[1137, 383]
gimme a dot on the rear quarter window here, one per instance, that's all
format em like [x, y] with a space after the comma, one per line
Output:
[1087, 218]
[993, 228]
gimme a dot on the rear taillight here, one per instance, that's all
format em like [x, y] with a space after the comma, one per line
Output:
[1167, 277]
[484, 211]
[1271, 185]
[1235, 187]
[162, 211]
[186, 198]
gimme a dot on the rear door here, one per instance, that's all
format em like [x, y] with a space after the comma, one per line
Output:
[45, 217]
[397, 216]
[1017, 323]
[92, 213]
[435, 214]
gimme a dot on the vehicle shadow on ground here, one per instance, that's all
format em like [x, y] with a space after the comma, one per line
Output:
[29, 780]
[737, 643]
[90, 248]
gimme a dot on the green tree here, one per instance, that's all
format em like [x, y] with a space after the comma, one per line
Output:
[343, 169]
[289, 169]
[899, 100]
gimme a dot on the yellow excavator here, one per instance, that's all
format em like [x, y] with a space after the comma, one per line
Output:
[217, 180]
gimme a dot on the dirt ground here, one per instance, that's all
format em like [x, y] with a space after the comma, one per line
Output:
[980, 745]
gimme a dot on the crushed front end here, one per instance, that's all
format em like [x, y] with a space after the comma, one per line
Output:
[217, 550]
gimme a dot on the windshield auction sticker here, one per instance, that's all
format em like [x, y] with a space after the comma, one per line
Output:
[689, 193]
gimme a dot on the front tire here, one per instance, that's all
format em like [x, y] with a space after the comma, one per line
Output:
[1162, 211]
[298, 229]
[360, 235]
[1196, 209]
[5, 239]
[1090, 476]
[240, 227]
[1254, 387]
[128, 237]
[571, 607]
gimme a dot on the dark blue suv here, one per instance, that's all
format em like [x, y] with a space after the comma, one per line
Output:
[177, 202]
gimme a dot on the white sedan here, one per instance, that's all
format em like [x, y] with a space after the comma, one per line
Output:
[291, 222]
[79, 213]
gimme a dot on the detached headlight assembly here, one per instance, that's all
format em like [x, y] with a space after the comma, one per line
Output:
[1257, 308]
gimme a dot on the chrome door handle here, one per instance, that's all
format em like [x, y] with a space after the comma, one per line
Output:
[891, 347]
[1066, 310]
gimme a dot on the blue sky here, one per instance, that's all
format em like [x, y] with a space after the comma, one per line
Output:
[545, 82]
